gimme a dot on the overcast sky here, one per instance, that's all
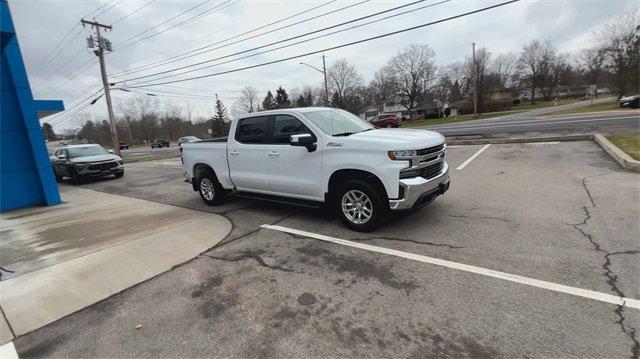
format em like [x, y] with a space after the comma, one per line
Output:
[42, 24]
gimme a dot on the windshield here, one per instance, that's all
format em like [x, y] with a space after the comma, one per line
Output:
[335, 122]
[86, 151]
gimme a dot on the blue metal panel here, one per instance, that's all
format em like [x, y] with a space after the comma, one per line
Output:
[26, 176]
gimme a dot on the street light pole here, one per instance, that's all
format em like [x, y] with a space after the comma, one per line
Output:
[475, 80]
[323, 72]
[326, 86]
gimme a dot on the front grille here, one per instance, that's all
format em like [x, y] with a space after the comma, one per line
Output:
[103, 166]
[426, 151]
[432, 170]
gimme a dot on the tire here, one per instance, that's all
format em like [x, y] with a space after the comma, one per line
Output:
[73, 175]
[388, 125]
[210, 189]
[352, 202]
[119, 174]
[58, 177]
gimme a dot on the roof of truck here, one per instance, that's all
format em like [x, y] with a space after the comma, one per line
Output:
[284, 111]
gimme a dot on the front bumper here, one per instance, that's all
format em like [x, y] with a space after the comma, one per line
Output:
[419, 191]
[86, 172]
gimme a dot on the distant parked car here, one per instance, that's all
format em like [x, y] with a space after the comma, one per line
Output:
[630, 101]
[124, 146]
[187, 139]
[77, 161]
[159, 143]
[385, 120]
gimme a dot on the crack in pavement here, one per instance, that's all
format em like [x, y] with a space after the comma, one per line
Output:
[612, 278]
[252, 254]
[450, 246]
[223, 242]
[482, 217]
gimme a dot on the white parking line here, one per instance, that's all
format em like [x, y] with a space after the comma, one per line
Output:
[465, 163]
[585, 293]
[8, 351]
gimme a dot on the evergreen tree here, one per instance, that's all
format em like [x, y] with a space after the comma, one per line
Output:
[269, 103]
[309, 99]
[48, 131]
[282, 99]
[220, 118]
[301, 102]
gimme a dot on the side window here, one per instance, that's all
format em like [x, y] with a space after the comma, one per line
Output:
[251, 130]
[284, 126]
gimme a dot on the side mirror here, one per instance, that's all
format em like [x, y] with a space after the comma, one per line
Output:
[111, 151]
[303, 140]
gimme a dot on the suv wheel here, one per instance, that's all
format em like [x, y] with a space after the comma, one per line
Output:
[361, 207]
[210, 190]
[389, 125]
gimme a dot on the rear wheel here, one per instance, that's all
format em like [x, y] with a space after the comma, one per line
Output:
[210, 189]
[361, 207]
[389, 125]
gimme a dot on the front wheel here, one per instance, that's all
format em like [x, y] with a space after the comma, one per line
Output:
[210, 190]
[361, 207]
[119, 174]
[389, 125]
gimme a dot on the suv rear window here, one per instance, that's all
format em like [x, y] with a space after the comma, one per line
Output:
[252, 130]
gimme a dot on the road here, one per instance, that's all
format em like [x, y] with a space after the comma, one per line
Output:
[536, 122]
[573, 124]
[560, 212]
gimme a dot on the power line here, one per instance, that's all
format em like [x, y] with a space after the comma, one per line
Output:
[46, 57]
[47, 64]
[74, 73]
[164, 22]
[182, 56]
[65, 115]
[207, 12]
[289, 39]
[100, 7]
[133, 12]
[107, 9]
[333, 47]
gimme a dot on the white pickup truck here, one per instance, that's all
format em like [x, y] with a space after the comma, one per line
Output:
[314, 156]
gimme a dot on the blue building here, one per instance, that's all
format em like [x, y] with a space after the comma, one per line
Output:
[26, 176]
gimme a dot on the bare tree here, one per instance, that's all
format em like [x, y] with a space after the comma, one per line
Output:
[248, 101]
[504, 67]
[345, 84]
[620, 42]
[534, 64]
[592, 62]
[478, 71]
[413, 72]
[382, 88]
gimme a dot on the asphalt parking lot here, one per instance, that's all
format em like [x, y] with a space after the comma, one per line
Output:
[561, 213]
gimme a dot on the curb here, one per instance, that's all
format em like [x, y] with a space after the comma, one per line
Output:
[608, 112]
[622, 158]
[484, 141]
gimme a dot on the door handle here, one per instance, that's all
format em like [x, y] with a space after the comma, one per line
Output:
[274, 154]
[234, 152]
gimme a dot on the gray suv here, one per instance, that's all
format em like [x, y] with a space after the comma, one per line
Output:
[77, 161]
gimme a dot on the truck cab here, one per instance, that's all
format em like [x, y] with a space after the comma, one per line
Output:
[321, 156]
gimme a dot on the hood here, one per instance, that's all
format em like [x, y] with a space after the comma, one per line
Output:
[96, 158]
[397, 139]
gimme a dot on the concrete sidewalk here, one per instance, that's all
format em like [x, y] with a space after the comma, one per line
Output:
[67, 257]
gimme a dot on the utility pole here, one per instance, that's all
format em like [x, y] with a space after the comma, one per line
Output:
[326, 86]
[324, 72]
[475, 80]
[104, 44]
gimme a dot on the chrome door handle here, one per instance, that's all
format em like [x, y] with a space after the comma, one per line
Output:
[235, 153]
[274, 154]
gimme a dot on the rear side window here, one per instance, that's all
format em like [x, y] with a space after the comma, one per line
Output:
[252, 130]
[284, 126]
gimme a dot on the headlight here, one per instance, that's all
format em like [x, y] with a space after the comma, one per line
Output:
[120, 163]
[402, 154]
